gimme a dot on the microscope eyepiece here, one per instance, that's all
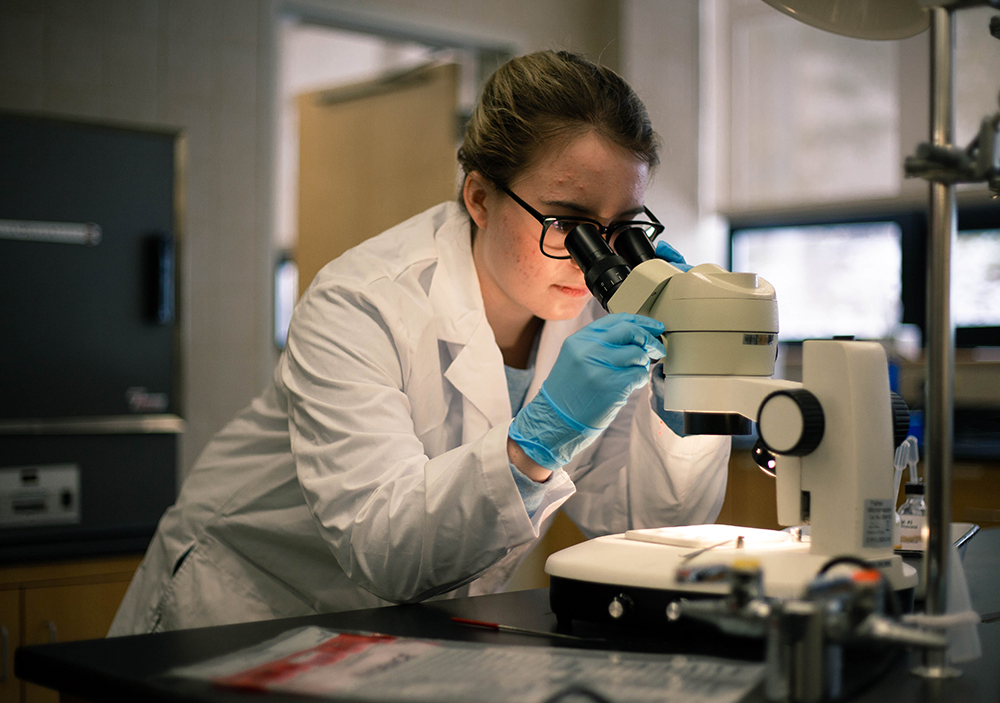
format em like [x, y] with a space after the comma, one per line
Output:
[603, 270]
[634, 246]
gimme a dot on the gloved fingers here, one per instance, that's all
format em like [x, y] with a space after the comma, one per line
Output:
[597, 369]
[665, 251]
[616, 319]
[629, 356]
[647, 345]
[624, 330]
[670, 255]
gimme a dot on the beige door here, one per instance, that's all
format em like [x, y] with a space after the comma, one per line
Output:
[370, 156]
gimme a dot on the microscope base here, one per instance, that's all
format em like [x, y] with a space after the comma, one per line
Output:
[625, 581]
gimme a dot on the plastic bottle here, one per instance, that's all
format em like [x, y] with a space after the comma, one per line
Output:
[912, 516]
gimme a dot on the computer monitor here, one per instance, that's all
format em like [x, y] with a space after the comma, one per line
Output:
[831, 278]
[975, 278]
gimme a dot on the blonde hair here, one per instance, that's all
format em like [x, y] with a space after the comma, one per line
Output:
[537, 100]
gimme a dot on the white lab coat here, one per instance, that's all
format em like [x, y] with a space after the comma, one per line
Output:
[373, 470]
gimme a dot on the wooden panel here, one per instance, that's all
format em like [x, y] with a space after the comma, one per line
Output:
[75, 612]
[10, 620]
[79, 612]
[371, 156]
[750, 495]
[119, 568]
[975, 493]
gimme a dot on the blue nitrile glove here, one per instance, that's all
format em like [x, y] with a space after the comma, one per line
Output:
[671, 256]
[597, 369]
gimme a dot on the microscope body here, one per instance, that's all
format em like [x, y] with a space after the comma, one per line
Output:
[832, 434]
[829, 441]
[716, 323]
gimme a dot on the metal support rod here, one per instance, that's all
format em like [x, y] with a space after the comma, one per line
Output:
[939, 388]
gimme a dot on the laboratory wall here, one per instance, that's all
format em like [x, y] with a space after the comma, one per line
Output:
[207, 67]
[660, 57]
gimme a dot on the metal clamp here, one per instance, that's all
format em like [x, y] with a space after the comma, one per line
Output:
[806, 637]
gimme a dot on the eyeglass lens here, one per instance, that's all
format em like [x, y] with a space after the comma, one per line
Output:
[554, 233]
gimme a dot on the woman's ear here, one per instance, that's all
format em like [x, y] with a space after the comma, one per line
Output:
[475, 192]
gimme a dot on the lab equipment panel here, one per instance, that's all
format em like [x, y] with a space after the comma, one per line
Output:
[125, 483]
[39, 495]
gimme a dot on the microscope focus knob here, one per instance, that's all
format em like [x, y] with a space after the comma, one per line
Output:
[791, 422]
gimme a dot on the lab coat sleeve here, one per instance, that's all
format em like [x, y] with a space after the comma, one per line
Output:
[400, 524]
[640, 474]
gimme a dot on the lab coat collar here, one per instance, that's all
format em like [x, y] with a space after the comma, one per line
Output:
[476, 369]
[454, 293]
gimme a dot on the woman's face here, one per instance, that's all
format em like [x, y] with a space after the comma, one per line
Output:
[588, 177]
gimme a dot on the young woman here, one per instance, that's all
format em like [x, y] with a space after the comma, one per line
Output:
[408, 447]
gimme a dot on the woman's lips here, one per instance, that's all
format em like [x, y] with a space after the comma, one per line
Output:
[573, 291]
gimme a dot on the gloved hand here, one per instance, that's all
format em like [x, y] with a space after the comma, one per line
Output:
[671, 256]
[596, 371]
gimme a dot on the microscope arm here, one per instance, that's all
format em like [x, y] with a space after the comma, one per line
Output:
[743, 395]
[722, 394]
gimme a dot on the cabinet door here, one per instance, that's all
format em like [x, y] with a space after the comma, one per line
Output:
[66, 613]
[10, 621]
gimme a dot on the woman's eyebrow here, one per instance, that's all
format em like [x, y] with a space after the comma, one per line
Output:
[587, 212]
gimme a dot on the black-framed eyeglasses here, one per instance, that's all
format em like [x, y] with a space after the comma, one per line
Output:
[552, 241]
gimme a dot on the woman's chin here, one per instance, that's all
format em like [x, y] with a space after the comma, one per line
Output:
[565, 304]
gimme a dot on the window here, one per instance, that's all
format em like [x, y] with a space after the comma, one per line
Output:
[830, 279]
[798, 116]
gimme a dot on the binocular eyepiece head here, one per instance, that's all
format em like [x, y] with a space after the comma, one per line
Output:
[605, 269]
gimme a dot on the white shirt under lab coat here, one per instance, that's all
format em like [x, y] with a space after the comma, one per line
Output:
[374, 470]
